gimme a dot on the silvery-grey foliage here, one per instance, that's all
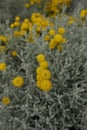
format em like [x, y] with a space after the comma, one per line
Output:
[65, 106]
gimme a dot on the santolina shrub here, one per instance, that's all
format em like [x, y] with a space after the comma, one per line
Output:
[43, 73]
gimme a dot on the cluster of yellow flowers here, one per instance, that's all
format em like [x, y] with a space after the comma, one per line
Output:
[56, 38]
[50, 7]
[32, 2]
[17, 24]
[39, 20]
[21, 28]
[43, 75]
[3, 41]
[53, 7]
[17, 82]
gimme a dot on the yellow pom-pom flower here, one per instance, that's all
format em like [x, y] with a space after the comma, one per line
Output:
[17, 18]
[12, 25]
[46, 85]
[52, 44]
[14, 53]
[51, 32]
[18, 81]
[58, 38]
[46, 74]
[47, 38]
[83, 13]
[39, 70]
[16, 23]
[61, 30]
[3, 66]
[40, 58]
[27, 5]
[44, 64]
[6, 100]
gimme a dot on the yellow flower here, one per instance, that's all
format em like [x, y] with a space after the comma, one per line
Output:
[47, 38]
[16, 23]
[17, 18]
[58, 38]
[27, 5]
[39, 70]
[70, 22]
[40, 58]
[52, 24]
[26, 20]
[52, 44]
[6, 100]
[12, 25]
[3, 38]
[39, 78]
[32, 3]
[83, 13]
[45, 74]
[51, 32]
[44, 64]
[46, 85]
[3, 66]
[61, 30]
[23, 32]
[24, 26]
[18, 81]
[14, 53]
[16, 33]
[38, 29]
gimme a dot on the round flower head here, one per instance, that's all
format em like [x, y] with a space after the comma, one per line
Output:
[44, 64]
[12, 25]
[6, 100]
[18, 81]
[27, 5]
[40, 58]
[39, 70]
[58, 38]
[46, 74]
[3, 66]
[61, 30]
[52, 44]
[83, 13]
[52, 32]
[46, 85]
[14, 53]
[47, 38]
[17, 18]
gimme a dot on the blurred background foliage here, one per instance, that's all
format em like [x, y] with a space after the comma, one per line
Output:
[11, 8]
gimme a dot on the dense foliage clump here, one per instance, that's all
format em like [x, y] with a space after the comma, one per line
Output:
[43, 68]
